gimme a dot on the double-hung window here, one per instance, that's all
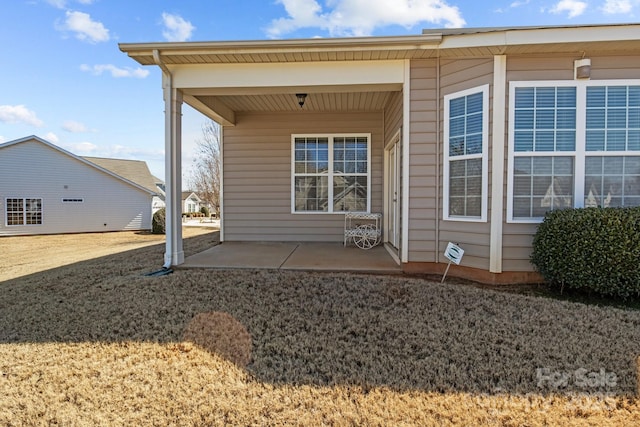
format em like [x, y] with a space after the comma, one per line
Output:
[573, 144]
[612, 153]
[465, 155]
[23, 211]
[331, 173]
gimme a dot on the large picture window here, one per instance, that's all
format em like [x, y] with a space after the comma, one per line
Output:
[465, 155]
[331, 173]
[573, 144]
[23, 211]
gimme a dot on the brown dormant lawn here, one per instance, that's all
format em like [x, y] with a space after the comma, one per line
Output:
[87, 339]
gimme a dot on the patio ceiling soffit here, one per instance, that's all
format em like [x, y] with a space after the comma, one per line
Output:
[225, 89]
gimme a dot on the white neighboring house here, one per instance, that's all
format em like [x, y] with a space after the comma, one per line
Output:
[137, 172]
[158, 202]
[47, 190]
[191, 202]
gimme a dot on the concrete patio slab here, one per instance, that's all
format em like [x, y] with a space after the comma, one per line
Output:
[294, 256]
[336, 257]
[242, 255]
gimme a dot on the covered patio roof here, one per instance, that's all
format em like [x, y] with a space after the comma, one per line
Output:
[220, 103]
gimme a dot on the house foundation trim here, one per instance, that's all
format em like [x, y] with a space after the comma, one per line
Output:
[478, 275]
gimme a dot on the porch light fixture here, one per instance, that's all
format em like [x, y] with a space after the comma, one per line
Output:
[301, 97]
[582, 69]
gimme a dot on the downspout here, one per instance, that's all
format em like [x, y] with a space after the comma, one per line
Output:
[168, 194]
[438, 141]
[221, 189]
[385, 193]
[163, 67]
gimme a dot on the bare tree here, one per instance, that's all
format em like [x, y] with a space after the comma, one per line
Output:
[207, 166]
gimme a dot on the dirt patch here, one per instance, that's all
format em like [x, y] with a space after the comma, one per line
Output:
[220, 333]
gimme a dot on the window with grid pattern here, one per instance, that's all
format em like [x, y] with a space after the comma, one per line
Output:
[612, 125]
[573, 144]
[545, 122]
[331, 173]
[23, 211]
[465, 170]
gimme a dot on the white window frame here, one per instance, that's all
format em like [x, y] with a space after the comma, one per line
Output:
[330, 173]
[24, 211]
[484, 155]
[579, 155]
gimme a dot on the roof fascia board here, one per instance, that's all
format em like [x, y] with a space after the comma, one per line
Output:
[430, 40]
[293, 45]
[541, 36]
[574, 35]
[307, 74]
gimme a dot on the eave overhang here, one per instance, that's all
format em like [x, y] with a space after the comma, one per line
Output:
[451, 43]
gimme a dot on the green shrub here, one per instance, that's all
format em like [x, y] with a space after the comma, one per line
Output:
[204, 211]
[593, 249]
[158, 222]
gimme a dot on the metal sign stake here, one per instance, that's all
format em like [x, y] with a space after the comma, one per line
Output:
[445, 272]
[454, 254]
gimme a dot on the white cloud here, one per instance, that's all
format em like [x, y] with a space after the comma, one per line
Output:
[176, 28]
[2, 139]
[116, 72]
[19, 114]
[133, 152]
[61, 4]
[513, 5]
[86, 148]
[617, 6]
[85, 28]
[83, 148]
[362, 17]
[74, 127]
[52, 137]
[572, 7]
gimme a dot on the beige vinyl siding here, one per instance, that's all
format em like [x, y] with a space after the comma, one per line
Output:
[392, 116]
[473, 237]
[423, 210]
[257, 177]
[517, 238]
[426, 167]
[31, 169]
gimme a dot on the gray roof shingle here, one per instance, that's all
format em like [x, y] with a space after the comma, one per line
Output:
[135, 171]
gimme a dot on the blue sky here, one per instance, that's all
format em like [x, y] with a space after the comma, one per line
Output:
[63, 78]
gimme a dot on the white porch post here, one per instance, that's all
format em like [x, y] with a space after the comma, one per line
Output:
[497, 162]
[406, 141]
[174, 254]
